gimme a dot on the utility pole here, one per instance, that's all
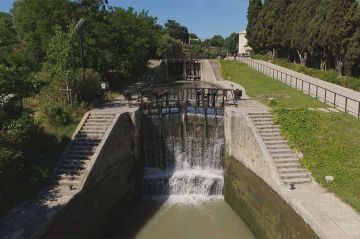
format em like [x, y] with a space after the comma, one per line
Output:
[78, 28]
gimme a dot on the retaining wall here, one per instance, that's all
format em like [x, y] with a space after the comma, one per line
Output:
[113, 185]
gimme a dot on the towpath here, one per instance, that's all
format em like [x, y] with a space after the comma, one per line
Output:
[342, 98]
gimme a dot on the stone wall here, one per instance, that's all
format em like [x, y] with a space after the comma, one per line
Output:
[262, 209]
[113, 185]
[252, 185]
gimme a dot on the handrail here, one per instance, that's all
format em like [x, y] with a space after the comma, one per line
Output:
[301, 84]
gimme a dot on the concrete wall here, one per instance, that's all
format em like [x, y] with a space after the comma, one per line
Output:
[262, 209]
[207, 74]
[251, 183]
[113, 185]
[242, 43]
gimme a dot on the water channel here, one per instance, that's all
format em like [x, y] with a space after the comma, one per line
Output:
[183, 180]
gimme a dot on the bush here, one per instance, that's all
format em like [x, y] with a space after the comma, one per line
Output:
[88, 89]
[52, 104]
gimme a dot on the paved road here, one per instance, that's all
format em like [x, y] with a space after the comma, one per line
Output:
[342, 98]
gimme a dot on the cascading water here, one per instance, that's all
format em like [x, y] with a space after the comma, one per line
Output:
[183, 156]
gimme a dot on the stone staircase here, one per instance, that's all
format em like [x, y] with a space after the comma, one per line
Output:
[215, 66]
[76, 160]
[286, 161]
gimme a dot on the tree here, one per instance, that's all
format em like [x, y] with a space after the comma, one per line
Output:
[335, 30]
[34, 22]
[217, 41]
[176, 31]
[231, 43]
[169, 47]
[352, 56]
[7, 38]
[252, 31]
[303, 11]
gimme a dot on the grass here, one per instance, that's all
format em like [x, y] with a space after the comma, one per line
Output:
[330, 142]
[264, 88]
[50, 143]
[329, 75]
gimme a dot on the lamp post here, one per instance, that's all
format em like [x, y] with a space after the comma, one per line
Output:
[78, 28]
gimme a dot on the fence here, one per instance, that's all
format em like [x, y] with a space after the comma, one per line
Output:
[338, 101]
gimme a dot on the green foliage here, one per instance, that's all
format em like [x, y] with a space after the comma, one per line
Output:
[53, 104]
[169, 47]
[176, 31]
[88, 89]
[329, 76]
[321, 34]
[231, 43]
[217, 41]
[330, 144]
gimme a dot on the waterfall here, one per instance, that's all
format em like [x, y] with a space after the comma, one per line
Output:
[183, 156]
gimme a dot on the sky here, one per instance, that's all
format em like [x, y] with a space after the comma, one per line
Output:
[205, 18]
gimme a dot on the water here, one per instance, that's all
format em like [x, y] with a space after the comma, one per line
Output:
[208, 220]
[183, 156]
[183, 182]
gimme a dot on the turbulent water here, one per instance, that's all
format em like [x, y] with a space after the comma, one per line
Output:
[183, 156]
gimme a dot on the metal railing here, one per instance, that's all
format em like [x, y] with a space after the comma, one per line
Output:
[338, 101]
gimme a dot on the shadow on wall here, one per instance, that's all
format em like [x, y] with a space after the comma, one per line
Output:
[113, 185]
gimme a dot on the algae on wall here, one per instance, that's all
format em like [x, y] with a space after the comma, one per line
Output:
[262, 209]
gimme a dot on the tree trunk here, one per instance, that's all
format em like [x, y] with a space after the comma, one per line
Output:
[339, 66]
[323, 64]
[303, 57]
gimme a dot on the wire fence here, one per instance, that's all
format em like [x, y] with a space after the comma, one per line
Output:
[339, 101]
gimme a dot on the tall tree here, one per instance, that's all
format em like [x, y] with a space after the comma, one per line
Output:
[231, 43]
[34, 21]
[252, 31]
[335, 30]
[176, 31]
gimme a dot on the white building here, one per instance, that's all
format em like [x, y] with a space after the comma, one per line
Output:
[244, 49]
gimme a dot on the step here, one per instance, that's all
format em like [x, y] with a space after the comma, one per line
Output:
[72, 166]
[276, 143]
[262, 121]
[261, 117]
[279, 151]
[67, 177]
[78, 150]
[288, 165]
[73, 185]
[98, 121]
[86, 131]
[90, 124]
[83, 147]
[85, 141]
[291, 170]
[101, 117]
[74, 162]
[268, 127]
[270, 135]
[260, 114]
[283, 156]
[264, 124]
[69, 171]
[89, 136]
[279, 147]
[294, 175]
[101, 128]
[286, 160]
[297, 180]
[273, 139]
[269, 131]
[77, 157]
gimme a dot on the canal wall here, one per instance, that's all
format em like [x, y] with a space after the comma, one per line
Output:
[112, 186]
[250, 180]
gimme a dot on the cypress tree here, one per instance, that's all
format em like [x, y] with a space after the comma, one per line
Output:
[252, 33]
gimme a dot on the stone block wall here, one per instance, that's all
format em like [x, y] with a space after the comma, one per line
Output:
[112, 187]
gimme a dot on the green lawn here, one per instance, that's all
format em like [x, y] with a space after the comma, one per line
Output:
[330, 142]
[263, 88]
